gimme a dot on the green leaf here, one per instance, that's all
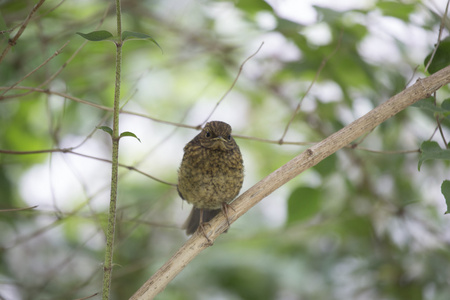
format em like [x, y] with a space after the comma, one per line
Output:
[446, 106]
[327, 166]
[441, 58]
[329, 14]
[127, 133]
[397, 10]
[130, 35]
[428, 104]
[431, 150]
[303, 203]
[445, 189]
[106, 129]
[96, 36]
[253, 6]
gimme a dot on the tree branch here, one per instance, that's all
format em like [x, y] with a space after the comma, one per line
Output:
[13, 41]
[423, 88]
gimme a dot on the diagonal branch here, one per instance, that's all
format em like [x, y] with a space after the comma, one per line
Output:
[423, 88]
[13, 41]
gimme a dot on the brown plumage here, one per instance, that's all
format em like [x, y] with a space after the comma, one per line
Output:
[211, 173]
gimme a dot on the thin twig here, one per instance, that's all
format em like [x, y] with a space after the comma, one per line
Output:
[37, 68]
[52, 77]
[232, 85]
[440, 131]
[269, 141]
[18, 209]
[441, 29]
[316, 76]
[13, 41]
[33, 18]
[384, 151]
[70, 150]
[64, 65]
[105, 108]
[88, 297]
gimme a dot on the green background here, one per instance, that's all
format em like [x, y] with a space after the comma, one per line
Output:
[359, 225]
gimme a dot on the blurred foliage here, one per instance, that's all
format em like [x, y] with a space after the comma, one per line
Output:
[441, 58]
[362, 224]
[445, 188]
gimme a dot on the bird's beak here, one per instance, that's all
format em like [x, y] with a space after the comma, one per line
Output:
[220, 143]
[220, 138]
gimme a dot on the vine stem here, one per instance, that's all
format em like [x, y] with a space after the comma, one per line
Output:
[110, 232]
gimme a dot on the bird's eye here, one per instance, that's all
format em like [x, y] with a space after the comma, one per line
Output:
[229, 137]
[208, 134]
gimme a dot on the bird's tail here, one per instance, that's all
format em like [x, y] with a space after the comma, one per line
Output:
[193, 221]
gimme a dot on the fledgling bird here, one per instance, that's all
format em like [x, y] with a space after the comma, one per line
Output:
[211, 174]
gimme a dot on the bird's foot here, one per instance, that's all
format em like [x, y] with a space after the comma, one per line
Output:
[201, 226]
[225, 207]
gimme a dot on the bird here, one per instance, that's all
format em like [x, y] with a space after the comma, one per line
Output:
[211, 174]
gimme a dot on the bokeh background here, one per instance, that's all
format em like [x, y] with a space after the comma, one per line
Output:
[362, 224]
